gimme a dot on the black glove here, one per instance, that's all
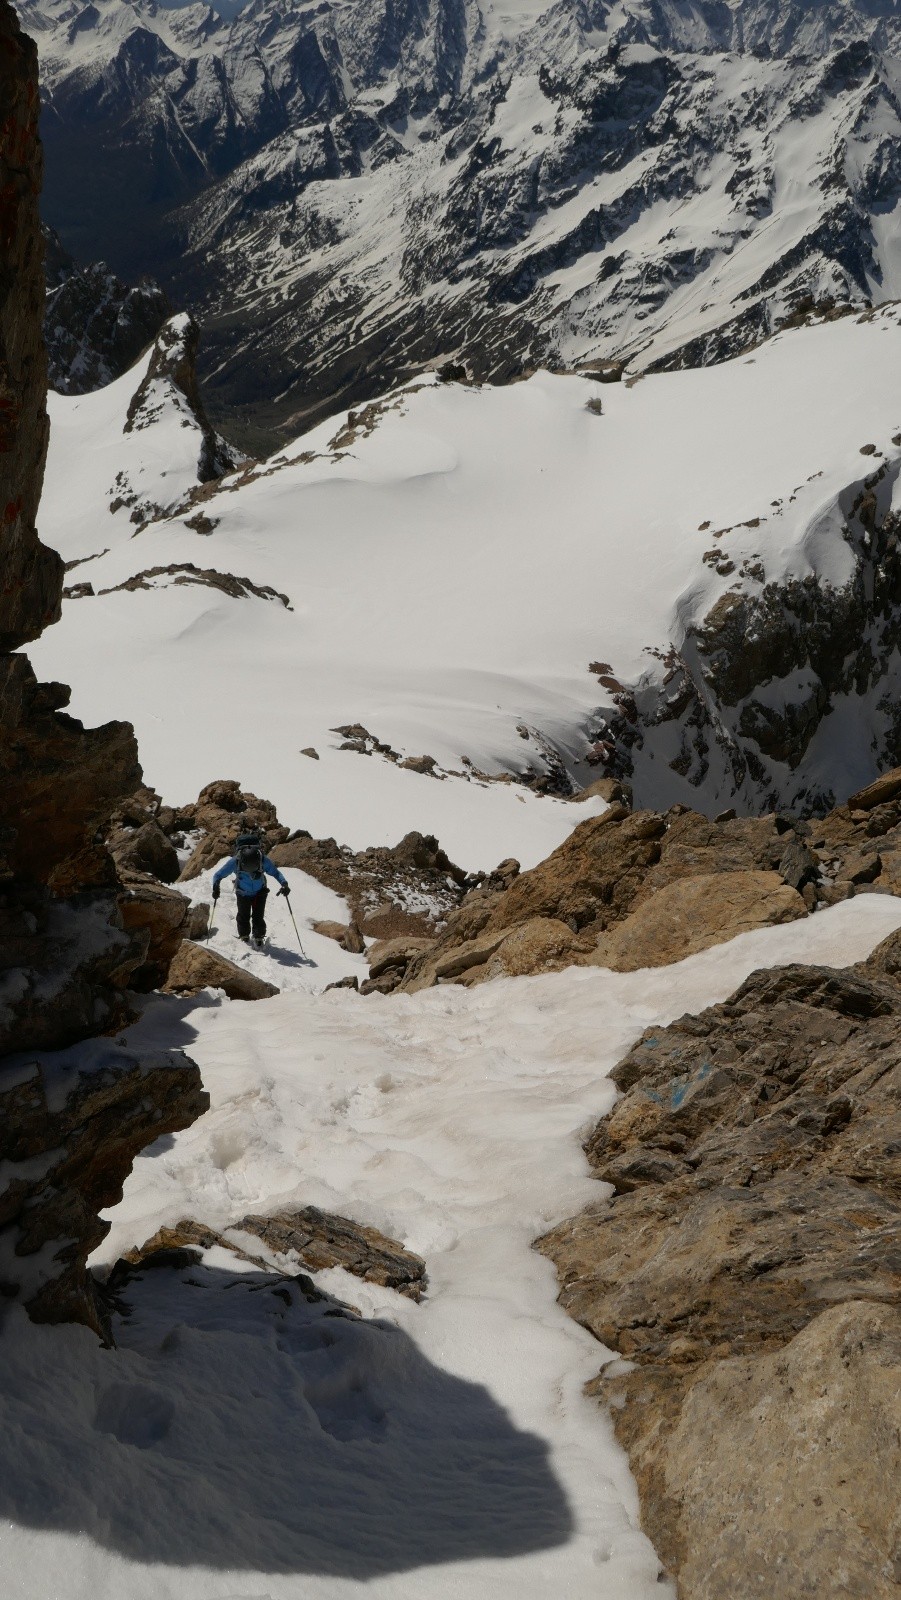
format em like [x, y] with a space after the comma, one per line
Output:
[215, 892]
[284, 890]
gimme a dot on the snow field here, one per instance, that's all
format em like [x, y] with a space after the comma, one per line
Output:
[454, 571]
[236, 1448]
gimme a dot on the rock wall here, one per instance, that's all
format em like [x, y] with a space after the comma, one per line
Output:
[76, 1105]
[755, 706]
[748, 1266]
[32, 575]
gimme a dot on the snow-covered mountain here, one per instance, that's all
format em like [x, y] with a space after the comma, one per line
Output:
[95, 326]
[691, 580]
[351, 190]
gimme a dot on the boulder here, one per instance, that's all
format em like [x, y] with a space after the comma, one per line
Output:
[222, 810]
[691, 914]
[347, 935]
[148, 905]
[71, 1123]
[199, 967]
[771, 1479]
[146, 849]
[885, 789]
[542, 944]
[320, 1239]
[198, 920]
[390, 954]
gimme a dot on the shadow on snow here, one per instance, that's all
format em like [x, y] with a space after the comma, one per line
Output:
[238, 1425]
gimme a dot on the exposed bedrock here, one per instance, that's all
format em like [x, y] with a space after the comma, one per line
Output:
[647, 888]
[783, 687]
[748, 1266]
[75, 1105]
[32, 574]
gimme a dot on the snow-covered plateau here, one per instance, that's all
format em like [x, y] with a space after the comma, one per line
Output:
[346, 191]
[691, 580]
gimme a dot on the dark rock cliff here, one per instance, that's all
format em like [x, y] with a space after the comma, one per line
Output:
[32, 575]
[76, 1105]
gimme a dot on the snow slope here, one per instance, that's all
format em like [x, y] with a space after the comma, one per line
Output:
[238, 1446]
[467, 566]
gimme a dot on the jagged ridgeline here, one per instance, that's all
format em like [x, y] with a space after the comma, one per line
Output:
[347, 191]
[75, 1105]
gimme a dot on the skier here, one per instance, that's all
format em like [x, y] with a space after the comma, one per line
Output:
[249, 864]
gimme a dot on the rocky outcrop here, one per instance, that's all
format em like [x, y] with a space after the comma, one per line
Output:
[744, 711]
[643, 889]
[692, 914]
[71, 1124]
[32, 574]
[173, 364]
[398, 891]
[196, 967]
[95, 326]
[747, 1265]
[74, 1108]
[316, 1239]
[402, 891]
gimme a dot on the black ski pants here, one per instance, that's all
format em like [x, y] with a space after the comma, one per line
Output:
[252, 911]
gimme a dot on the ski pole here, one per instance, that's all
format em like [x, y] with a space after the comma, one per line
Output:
[296, 930]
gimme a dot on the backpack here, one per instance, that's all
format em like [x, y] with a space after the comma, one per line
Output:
[249, 854]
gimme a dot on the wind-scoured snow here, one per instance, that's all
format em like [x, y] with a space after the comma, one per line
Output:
[463, 567]
[243, 1445]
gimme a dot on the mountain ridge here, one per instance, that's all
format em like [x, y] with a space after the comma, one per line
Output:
[346, 195]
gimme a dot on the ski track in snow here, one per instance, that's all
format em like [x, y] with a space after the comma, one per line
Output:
[235, 1448]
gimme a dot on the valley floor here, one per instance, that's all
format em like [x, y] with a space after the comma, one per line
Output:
[244, 1444]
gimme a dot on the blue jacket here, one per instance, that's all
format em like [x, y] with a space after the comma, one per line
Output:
[247, 882]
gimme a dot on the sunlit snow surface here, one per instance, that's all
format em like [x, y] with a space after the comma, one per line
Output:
[237, 1447]
[455, 565]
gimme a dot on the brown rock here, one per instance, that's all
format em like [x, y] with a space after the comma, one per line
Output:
[223, 810]
[540, 945]
[71, 1124]
[691, 914]
[146, 849]
[59, 781]
[882, 792]
[165, 915]
[197, 967]
[770, 1481]
[347, 935]
[395, 953]
[198, 921]
[756, 1159]
[321, 1239]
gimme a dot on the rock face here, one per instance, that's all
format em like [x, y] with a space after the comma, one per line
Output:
[74, 1109]
[32, 574]
[797, 1504]
[748, 1264]
[71, 1124]
[95, 326]
[743, 709]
